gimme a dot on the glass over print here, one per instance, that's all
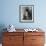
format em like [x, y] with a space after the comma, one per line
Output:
[26, 13]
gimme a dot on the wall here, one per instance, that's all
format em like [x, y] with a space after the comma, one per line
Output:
[9, 13]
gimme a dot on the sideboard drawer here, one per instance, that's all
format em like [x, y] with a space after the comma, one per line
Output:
[34, 33]
[13, 33]
[13, 39]
[37, 39]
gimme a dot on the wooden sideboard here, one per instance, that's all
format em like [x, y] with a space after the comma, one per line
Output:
[23, 38]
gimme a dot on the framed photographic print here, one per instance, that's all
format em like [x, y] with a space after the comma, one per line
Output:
[26, 13]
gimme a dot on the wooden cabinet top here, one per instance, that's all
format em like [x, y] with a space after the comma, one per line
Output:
[21, 32]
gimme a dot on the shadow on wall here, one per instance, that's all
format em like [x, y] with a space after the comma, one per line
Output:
[2, 26]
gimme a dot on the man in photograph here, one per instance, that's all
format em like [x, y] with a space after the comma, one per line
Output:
[27, 14]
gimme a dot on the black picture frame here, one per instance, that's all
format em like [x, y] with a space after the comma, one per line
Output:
[26, 13]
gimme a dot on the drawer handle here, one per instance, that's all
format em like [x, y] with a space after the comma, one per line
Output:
[11, 38]
[33, 39]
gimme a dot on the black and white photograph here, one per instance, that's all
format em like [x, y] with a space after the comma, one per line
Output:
[26, 13]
